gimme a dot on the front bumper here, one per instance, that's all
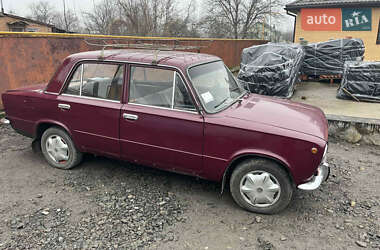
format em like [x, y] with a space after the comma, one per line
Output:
[323, 173]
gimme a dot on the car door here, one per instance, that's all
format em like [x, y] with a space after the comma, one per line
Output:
[160, 125]
[90, 106]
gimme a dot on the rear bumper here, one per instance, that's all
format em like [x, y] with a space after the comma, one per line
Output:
[21, 127]
[322, 175]
[5, 121]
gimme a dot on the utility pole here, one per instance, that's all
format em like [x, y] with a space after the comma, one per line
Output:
[64, 15]
[2, 7]
[270, 20]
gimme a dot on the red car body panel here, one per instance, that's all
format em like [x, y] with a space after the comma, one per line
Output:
[167, 139]
[195, 143]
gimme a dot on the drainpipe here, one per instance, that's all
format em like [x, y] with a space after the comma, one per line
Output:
[295, 22]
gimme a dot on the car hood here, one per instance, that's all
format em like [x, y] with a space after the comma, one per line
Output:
[281, 113]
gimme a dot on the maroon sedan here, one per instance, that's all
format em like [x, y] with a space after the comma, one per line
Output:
[177, 111]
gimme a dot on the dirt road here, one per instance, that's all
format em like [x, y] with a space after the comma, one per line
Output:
[110, 204]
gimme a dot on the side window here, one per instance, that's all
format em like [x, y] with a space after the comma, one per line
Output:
[160, 88]
[150, 86]
[73, 88]
[104, 81]
[182, 99]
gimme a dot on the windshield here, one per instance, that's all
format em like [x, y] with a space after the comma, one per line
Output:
[215, 85]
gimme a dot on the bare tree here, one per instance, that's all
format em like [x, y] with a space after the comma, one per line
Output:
[45, 12]
[133, 15]
[141, 17]
[183, 23]
[239, 16]
[147, 17]
[42, 11]
[213, 26]
[67, 20]
[103, 18]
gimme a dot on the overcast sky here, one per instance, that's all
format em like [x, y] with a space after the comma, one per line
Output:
[21, 7]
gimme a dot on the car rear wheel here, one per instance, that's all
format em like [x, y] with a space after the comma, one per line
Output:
[261, 186]
[59, 149]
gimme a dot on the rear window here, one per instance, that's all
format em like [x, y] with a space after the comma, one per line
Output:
[97, 80]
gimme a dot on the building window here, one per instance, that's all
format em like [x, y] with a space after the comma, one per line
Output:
[31, 29]
[17, 26]
[17, 29]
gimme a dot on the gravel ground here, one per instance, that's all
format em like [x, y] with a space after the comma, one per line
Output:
[109, 204]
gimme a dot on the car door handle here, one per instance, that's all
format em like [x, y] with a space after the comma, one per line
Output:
[64, 106]
[130, 117]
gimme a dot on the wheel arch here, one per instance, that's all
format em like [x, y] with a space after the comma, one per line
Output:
[43, 125]
[240, 158]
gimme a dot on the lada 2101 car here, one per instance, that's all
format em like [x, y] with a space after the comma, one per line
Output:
[177, 111]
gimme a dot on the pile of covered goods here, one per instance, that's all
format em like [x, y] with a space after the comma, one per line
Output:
[361, 81]
[328, 58]
[271, 69]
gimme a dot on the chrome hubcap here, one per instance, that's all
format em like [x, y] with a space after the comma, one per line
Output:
[57, 149]
[260, 188]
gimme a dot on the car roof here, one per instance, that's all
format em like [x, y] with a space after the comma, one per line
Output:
[179, 59]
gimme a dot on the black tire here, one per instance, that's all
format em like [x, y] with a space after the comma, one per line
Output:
[278, 174]
[74, 156]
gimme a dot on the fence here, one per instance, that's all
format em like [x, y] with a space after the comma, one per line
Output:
[32, 58]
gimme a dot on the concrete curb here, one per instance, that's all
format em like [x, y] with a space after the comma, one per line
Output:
[355, 130]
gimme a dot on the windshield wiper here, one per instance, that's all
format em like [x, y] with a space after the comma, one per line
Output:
[216, 106]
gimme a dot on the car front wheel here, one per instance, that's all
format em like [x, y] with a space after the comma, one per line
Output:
[59, 149]
[261, 186]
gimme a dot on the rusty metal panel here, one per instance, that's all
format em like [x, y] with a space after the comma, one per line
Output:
[27, 59]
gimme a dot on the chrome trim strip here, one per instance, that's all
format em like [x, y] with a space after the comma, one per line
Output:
[50, 93]
[180, 110]
[163, 148]
[174, 75]
[215, 158]
[97, 135]
[89, 97]
[81, 79]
